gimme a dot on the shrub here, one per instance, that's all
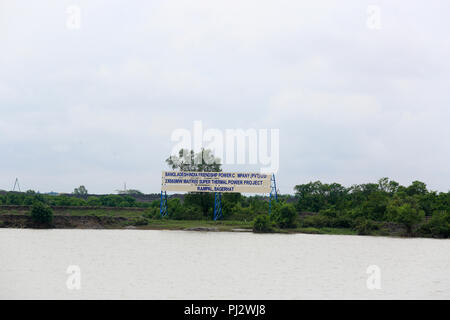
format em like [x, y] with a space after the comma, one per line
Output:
[262, 223]
[364, 226]
[41, 213]
[330, 212]
[94, 202]
[152, 213]
[406, 214]
[342, 222]
[140, 221]
[318, 221]
[284, 215]
[193, 213]
[438, 225]
[180, 212]
[238, 212]
[14, 198]
[175, 209]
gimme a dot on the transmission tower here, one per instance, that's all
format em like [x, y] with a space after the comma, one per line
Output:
[16, 183]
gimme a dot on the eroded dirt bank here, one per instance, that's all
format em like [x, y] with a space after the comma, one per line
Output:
[63, 222]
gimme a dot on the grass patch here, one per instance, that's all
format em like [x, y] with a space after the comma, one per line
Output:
[325, 230]
[226, 225]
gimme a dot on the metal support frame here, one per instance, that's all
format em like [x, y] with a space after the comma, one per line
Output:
[273, 192]
[217, 206]
[16, 183]
[163, 204]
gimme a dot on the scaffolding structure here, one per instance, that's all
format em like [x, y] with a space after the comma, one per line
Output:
[163, 204]
[273, 192]
[218, 206]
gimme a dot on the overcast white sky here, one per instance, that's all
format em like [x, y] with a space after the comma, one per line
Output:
[97, 105]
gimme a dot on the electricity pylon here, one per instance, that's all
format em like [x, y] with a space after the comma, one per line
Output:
[16, 183]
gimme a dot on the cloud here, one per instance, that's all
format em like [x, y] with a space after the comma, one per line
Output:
[97, 106]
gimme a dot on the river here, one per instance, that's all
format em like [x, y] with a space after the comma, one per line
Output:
[143, 264]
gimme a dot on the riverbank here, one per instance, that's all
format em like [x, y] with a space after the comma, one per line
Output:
[135, 218]
[132, 218]
[120, 222]
[110, 218]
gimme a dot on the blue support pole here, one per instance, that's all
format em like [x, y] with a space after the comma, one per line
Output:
[217, 206]
[273, 192]
[163, 204]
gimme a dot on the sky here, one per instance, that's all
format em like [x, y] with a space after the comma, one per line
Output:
[356, 95]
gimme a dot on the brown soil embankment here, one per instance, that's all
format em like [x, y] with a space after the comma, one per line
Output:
[63, 222]
[59, 208]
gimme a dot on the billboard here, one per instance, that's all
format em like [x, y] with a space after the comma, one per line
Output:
[190, 181]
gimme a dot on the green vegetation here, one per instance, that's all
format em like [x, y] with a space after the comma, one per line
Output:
[364, 226]
[437, 226]
[262, 223]
[29, 197]
[203, 161]
[284, 215]
[41, 214]
[80, 191]
[405, 214]
[383, 208]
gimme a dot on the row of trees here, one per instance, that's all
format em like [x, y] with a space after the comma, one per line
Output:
[414, 206]
[365, 208]
[29, 197]
[372, 198]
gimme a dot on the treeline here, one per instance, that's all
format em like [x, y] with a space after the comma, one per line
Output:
[367, 207]
[372, 208]
[371, 200]
[30, 197]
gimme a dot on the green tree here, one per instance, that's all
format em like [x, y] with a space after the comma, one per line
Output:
[416, 188]
[407, 214]
[388, 186]
[310, 196]
[41, 213]
[81, 191]
[438, 225]
[375, 206]
[202, 200]
[315, 196]
[203, 161]
[284, 215]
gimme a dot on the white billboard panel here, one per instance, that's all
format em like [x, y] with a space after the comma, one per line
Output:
[189, 181]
